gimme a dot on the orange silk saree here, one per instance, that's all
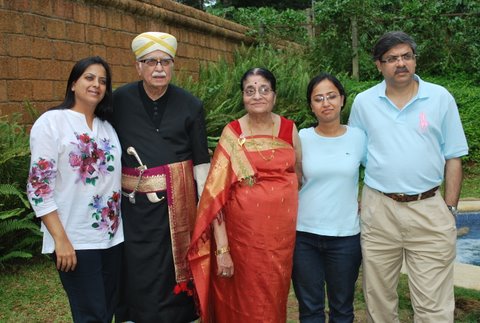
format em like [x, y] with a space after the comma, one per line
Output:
[257, 191]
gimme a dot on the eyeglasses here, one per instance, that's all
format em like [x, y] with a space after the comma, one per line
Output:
[155, 61]
[329, 97]
[393, 59]
[262, 90]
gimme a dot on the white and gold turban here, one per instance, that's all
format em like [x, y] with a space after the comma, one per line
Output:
[151, 41]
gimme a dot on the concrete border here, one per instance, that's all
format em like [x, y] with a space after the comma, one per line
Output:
[469, 205]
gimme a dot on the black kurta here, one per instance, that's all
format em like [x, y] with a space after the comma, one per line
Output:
[169, 130]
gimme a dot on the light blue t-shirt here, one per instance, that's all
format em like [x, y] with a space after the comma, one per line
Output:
[407, 148]
[328, 198]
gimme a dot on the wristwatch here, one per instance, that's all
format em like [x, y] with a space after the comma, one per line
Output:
[453, 210]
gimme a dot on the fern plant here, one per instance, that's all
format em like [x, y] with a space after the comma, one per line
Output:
[20, 236]
[19, 233]
[219, 86]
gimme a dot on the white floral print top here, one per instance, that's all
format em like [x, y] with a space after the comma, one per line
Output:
[76, 171]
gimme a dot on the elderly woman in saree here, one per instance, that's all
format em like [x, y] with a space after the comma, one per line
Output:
[242, 245]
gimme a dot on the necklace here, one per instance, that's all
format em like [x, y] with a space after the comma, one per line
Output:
[272, 154]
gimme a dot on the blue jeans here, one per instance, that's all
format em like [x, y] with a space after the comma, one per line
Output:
[331, 261]
[92, 288]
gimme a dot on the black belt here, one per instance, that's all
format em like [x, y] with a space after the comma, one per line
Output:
[399, 197]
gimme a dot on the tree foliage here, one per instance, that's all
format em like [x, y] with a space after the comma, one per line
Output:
[445, 31]
[197, 4]
[281, 4]
[266, 23]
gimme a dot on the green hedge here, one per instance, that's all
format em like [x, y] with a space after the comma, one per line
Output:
[467, 96]
[218, 86]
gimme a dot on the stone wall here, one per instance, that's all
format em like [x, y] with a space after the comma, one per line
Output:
[42, 39]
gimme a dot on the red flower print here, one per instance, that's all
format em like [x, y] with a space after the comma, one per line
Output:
[39, 184]
[84, 138]
[106, 215]
[90, 160]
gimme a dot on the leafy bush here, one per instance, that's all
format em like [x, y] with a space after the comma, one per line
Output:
[19, 233]
[20, 236]
[467, 95]
[219, 88]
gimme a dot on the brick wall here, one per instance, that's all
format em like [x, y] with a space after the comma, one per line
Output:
[42, 39]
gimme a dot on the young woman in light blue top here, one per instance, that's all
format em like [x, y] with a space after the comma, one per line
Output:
[327, 250]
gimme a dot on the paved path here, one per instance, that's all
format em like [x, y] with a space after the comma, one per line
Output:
[469, 205]
[467, 276]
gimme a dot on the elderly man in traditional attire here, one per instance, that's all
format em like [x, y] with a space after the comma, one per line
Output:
[165, 162]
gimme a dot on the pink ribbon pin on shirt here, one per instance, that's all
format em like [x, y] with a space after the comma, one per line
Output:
[423, 122]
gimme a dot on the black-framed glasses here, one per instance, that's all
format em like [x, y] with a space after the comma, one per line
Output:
[329, 97]
[262, 90]
[393, 59]
[155, 61]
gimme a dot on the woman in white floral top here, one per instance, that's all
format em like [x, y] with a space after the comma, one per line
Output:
[74, 186]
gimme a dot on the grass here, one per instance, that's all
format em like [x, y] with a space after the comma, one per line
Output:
[32, 292]
[471, 181]
[467, 304]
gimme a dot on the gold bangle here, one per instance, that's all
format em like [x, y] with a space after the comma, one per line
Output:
[222, 250]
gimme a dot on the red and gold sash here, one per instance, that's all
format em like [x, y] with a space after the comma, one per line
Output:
[178, 182]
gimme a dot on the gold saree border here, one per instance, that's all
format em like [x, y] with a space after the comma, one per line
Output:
[182, 210]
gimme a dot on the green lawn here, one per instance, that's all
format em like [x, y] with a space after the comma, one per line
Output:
[471, 182]
[31, 292]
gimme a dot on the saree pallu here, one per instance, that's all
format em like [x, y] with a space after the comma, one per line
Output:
[259, 199]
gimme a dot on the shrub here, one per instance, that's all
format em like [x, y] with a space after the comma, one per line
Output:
[219, 85]
[467, 95]
[219, 88]
[19, 230]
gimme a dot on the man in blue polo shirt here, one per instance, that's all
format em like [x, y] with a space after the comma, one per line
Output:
[415, 141]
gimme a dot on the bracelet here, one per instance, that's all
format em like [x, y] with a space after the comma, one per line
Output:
[222, 250]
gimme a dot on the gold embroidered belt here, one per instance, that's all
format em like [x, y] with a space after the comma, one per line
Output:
[152, 179]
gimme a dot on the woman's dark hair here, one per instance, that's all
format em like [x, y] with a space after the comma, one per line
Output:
[392, 39]
[104, 107]
[321, 77]
[262, 72]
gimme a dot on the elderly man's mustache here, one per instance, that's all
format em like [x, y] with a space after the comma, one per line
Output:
[159, 74]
